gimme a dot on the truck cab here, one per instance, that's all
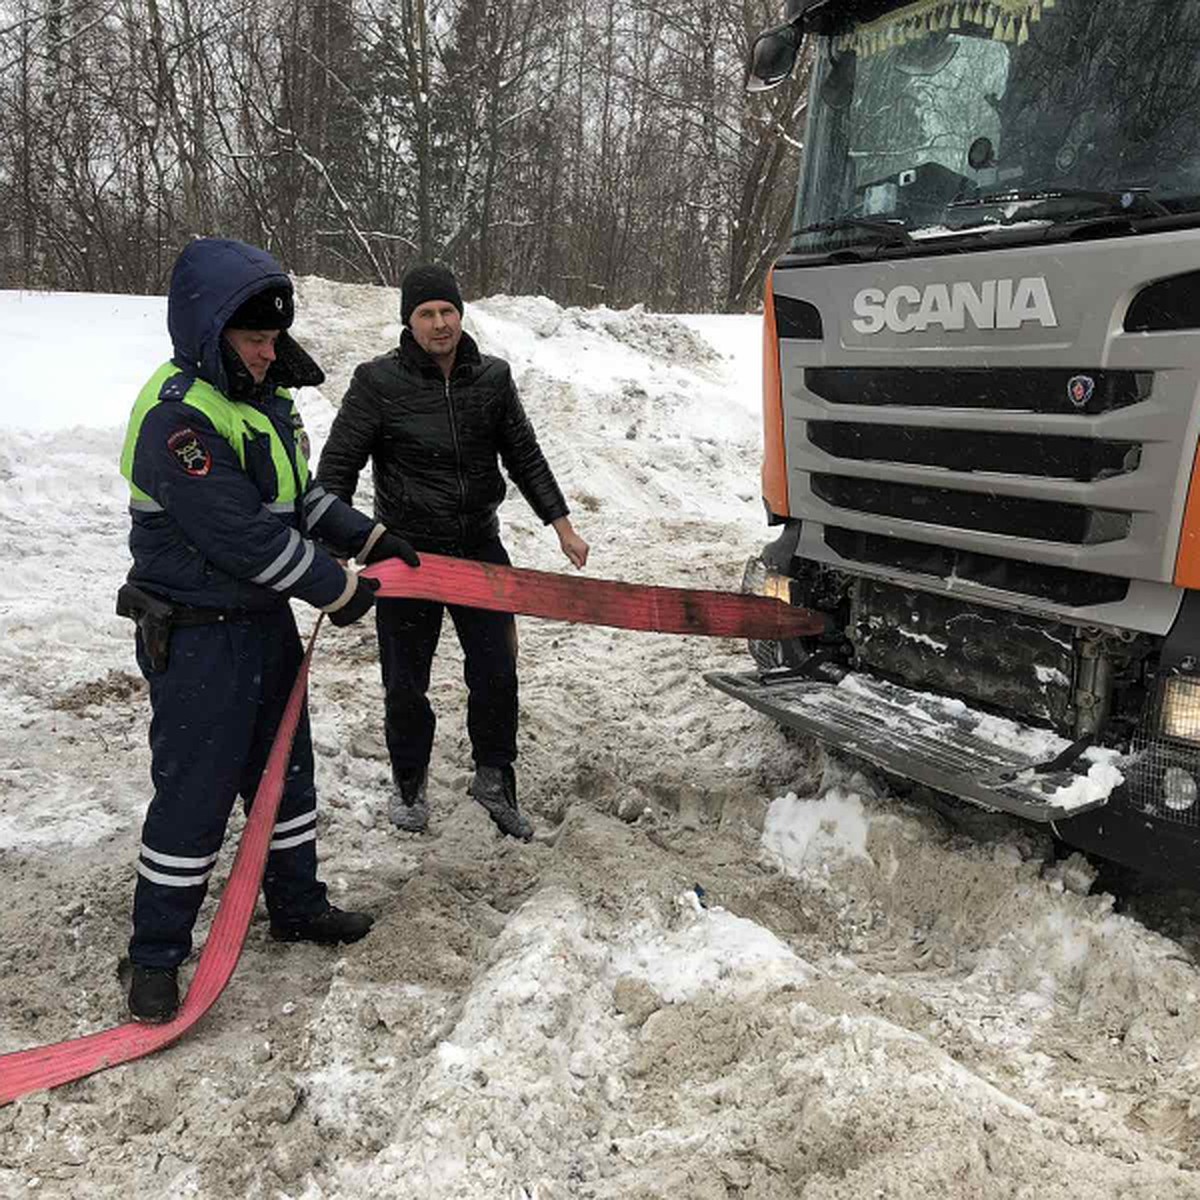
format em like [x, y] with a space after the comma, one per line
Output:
[982, 409]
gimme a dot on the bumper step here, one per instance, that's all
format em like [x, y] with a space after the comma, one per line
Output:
[935, 740]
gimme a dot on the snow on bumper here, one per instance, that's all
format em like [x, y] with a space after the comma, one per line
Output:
[935, 740]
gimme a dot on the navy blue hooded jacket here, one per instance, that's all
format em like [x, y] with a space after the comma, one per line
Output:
[224, 512]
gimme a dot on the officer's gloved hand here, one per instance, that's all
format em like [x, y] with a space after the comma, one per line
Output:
[358, 605]
[391, 545]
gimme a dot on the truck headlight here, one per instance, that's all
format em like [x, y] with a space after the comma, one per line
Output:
[778, 587]
[760, 580]
[1179, 789]
[1181, 710]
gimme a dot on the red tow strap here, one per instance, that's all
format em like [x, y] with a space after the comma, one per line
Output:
[594, 601]
[48, 1066]
[450, 580]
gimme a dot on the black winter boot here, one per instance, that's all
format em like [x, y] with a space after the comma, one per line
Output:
[496, 789]
[154, 994]
[408, 808]
[326, 928]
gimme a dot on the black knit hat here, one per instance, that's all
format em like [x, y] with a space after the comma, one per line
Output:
[428, 282]
[272, 308]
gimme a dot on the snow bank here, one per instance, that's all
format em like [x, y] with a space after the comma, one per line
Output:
[719, 970]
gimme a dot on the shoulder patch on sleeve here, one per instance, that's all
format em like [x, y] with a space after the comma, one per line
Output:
[300, 434]
[191, 452]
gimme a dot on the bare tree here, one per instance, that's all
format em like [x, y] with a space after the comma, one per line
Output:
[597, 152]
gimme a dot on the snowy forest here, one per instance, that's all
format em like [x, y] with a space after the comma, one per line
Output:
[590, 151]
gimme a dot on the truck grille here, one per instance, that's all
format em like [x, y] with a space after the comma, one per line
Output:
[1060, 585]
[1045, 520]
[1081, 459]
[969, 473]
[1013, 389]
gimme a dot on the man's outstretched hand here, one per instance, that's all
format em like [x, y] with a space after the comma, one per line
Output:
[572, 545]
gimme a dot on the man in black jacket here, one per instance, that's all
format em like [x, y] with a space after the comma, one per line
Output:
[436, 418]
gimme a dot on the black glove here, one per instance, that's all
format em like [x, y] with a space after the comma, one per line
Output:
[358, 605]
[391, 545]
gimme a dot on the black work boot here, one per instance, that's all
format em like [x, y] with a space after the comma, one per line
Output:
[154, 994]
[496, 789]
[326, 928]
[408, 808]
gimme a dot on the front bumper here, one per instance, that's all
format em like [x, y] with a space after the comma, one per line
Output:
[941, 742]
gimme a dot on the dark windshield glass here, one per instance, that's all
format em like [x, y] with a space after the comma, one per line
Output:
[943, 118]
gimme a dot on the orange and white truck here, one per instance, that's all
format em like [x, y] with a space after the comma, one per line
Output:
[982, 408]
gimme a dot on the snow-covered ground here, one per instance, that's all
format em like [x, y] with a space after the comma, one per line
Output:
[726, 967]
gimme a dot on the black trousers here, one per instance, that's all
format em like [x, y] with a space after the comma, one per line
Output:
[215, 712]
[408, 636]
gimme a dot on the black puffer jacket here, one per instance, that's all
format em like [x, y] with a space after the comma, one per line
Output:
[434, 443]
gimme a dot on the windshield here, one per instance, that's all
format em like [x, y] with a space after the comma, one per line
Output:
[947, 119]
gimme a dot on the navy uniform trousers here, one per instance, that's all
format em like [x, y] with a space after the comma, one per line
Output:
[408, 632]
[216, 708]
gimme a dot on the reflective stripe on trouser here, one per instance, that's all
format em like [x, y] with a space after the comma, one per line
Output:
[216, 708]
[408, 632]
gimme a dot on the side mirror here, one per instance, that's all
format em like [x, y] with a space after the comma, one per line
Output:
[794, 11]
[772, 57]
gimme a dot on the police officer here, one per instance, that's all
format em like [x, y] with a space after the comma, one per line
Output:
[227, 526]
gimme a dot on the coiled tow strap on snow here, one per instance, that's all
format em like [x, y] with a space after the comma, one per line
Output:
[452, 581]
[48, 1066]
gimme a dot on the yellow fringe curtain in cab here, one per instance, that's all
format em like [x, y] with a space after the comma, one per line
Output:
[1009, 21]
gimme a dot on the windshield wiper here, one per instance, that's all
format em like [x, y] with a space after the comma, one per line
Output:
[1125, 200]
[890, 233]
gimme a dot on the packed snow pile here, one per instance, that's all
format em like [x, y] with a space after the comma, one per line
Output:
[725, 966]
